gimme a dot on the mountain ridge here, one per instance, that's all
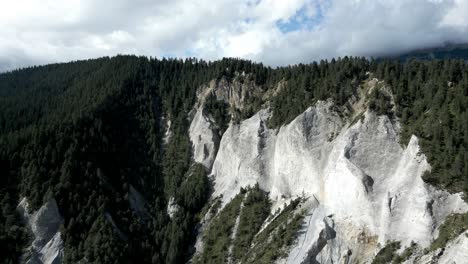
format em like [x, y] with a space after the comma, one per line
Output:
[103, 138]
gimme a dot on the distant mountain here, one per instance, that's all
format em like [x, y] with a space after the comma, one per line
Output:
[450, 51]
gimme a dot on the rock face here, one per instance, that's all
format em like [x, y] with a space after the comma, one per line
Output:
[47, 246]
[172, 207]
[203, 131]
[455, 252]
[367, 186]
[204, 138]
[236, 93]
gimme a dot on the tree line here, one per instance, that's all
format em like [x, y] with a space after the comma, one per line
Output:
[85, 132]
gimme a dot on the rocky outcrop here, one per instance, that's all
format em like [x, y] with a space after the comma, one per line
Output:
[237, 92]
[369, 188]
[172, 207]
[287, 162]
[47, 246]
[455, 252]
[203, 131]
[204, 138]
[366, 186]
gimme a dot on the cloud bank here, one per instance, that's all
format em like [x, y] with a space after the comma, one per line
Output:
[275, 32]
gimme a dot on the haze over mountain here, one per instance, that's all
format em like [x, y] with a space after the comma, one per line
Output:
[269, 31]
[448, 51]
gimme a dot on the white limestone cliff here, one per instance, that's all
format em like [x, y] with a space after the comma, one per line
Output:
[235, 92]
[203, 130]
[368, 187]
[204, 138]
[455, 252]
[47, 246]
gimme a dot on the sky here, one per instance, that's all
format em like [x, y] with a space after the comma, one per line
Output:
[275, 32]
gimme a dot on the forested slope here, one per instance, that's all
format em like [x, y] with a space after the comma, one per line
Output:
[86, 133]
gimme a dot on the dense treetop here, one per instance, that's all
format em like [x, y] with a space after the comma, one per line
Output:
[86, 132]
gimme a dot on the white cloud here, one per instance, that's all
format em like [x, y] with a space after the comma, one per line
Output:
[458, 15]
[44, 31]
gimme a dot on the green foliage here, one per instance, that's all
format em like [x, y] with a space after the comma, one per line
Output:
[432, 101]
[305, 84]
[448, 51]
[85, 132]
[252, 216]
[453, 226]
[195, 190]
[100, 243]
[251, 207]
[12, 234]
[406, 254]
[387, 254]
[218, 237]
[272, 243]
[211, 207]
[381, 103]
[219, 111]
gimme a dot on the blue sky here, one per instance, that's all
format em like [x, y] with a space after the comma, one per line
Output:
[275, 32]
[301, 20]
